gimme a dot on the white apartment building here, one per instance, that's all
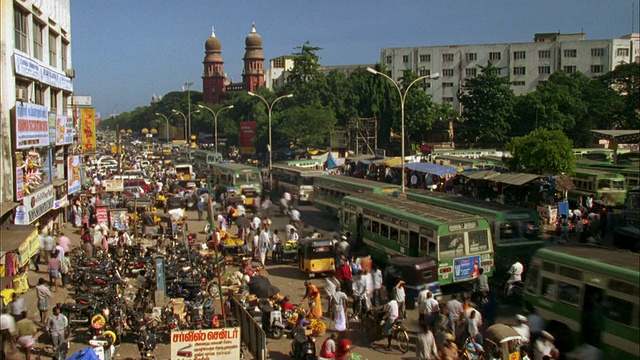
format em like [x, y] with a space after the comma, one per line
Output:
[526, 64]
[36, 82]
[278, 71]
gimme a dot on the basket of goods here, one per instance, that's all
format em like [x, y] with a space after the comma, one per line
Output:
[232, 242]
[318, 328]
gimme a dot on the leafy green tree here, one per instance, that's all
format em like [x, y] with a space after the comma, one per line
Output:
[625, 79]
[488, 107]
[542, 152]
[304, 126]
[305, 80]
[420, 111]
[341, 97]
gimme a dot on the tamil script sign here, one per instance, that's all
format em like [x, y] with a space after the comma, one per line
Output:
[32, 125]
[247, 134]
[64, 130]
[73, 174]
[219, 344]
[88, 122]
[113, 185]
[35, 205]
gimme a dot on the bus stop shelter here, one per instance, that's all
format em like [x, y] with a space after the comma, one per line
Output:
[616, 137]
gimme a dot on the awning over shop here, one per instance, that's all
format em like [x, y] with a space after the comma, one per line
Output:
[517, 179]
[7, 206]
[434, 169]
[564, 183]
[12, 236]
[390, 162]
[619, 136]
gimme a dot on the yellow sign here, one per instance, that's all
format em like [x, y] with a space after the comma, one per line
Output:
[98, 321]
[34, 242]
[88, 122]
[21, 283]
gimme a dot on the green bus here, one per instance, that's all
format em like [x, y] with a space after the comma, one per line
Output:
[305, 163]
[204, 159]
[496, 161]
[595, 154]
[565, 284]
[392, 226]
[600, 183]
[468, 153]
[238, 176]
[463, 162]
[296, 180]
[631, 174]
[328, 190]
[515, 230]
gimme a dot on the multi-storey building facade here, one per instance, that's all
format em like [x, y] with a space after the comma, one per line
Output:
[526, 64]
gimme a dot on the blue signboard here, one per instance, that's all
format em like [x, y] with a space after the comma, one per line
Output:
[160, 278]
[466, 268]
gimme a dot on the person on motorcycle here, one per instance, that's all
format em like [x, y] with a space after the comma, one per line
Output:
[359, 295]
[515, 275]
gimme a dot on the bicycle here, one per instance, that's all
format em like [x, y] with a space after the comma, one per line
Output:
[359, 312]
[373, 326]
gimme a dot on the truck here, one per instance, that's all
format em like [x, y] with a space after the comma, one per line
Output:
[185, 172]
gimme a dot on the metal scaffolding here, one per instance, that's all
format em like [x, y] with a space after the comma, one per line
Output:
[363, 135]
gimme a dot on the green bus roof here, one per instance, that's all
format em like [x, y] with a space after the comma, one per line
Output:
[498, 211]
[611, 262]
[357, 184]
[429, 215]
[302, 162]
[235, 167]
[304, 171]
[596, 172]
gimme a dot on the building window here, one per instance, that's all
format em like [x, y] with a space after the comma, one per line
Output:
[426, 85]
[53, 100]
[53, 49]
[622, 52]
[447, 57]
[424, 72]
[571, 53]
[64, 53]
[471, 56]
[38, 28]
[544, 54]
[599, 52]
[20, 28]
[447, 99]
[447, 84]
[447, 72]
[405, 58]
[597, 69]
[66, 99]
[495, 56]
[470, 72]
[496, 71]
[425, 58]
[544, 70]
[38, 94]
[389, 59]
[519, 70]
[517, 83]
[519, 55]
[569, 69]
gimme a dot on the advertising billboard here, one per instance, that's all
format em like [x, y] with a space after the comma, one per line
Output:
[32, 125]
[64, 130]
[73, 174]
[88, 123]
[247, 134]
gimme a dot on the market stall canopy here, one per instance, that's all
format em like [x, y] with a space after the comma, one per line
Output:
[564, 183]
[434, 169]
[7, 206]
[261, 287]
[619, 136]
[516, 179]
[391, 162]
[480, 175]
[14, 235]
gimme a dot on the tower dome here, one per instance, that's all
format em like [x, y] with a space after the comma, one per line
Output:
[253, 45]
[213, 48]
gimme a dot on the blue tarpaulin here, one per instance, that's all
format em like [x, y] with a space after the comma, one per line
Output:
[430, 168]
[331, 162]
[84, 354]
[563, 209]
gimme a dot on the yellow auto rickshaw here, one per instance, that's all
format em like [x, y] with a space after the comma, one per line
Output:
[316, 256]
[249, 193]
[502, 342]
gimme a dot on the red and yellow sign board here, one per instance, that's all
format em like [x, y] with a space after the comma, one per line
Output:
[247, 134]
[88, 122]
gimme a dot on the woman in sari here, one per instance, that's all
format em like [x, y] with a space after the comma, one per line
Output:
[315, 299]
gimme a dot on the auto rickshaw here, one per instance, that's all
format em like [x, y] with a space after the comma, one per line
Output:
[250, 194]
[417, 273]
[316, 256]
[502, 342]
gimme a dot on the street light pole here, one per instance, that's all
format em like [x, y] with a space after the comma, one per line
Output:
[166, 129]
[270, 108]
[185, 121]
[188, 85]
[403, 98]
[215, 120]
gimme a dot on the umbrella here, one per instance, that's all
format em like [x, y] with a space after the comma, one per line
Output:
[261, 287]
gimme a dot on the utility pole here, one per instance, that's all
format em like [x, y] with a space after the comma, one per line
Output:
[118, 148]
[188, 85]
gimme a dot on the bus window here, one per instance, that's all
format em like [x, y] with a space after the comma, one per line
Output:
[393, 234]
[414, 240]
[451, 245]
[549, 267]
[375, 227]
[307, 181]
[404, 238]
[508, 230]
[478, 241]
[532, 279]
[568, 293]
[549, 288]
[617, 184]
[618, 310]
[253, 176]
[384, 230]
[424, 244]
[570, 272]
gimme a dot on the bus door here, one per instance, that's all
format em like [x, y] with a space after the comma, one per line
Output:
[592, 315]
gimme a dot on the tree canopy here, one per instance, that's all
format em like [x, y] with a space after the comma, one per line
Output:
[542, 152]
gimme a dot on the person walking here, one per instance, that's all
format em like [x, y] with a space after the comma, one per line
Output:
[200, 207]
[25, 332]
[264, 243]
[376, 275]
[315, 299]
[44, 294]
[17, 307]
[339, 309]
[7, 332]
[426, 348]
[54, 270]
[57, 327]
[65, 269]
[400, 297]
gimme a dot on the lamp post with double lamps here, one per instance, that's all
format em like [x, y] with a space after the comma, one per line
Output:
[215, 120]
[270, 108]
[188, 85]
[403, 98]
[166, 130]
[187, 125]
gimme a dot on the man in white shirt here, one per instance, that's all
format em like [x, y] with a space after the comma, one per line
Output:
[431, 308]
[515, 275]
[295, 217]
[455, 310]
[523, 329]
[400, 297]
[376, 275]
[392, 312]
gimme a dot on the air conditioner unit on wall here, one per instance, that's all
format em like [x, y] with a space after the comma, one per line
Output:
[21, 94]
[70, 73]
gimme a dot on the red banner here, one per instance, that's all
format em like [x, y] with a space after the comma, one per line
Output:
[247, 135]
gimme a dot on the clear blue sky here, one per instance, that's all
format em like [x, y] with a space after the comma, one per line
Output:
[126, 51]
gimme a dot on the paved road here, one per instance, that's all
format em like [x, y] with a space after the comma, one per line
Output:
[287, 277]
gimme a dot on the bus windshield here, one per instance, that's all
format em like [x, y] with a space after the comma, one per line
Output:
[614, 184]
[306, 181]
[478, 241]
